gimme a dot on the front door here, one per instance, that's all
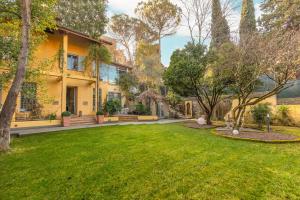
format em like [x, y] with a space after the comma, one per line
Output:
[71, 100]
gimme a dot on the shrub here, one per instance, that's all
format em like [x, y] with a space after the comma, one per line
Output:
[140, 109]
[283, 116]
[100, 112]
[52, 116]
[66, 114]
[113, 106]
[259, 113]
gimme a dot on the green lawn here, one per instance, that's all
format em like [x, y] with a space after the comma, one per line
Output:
[147, 162]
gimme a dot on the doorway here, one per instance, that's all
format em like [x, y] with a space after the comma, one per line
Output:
[71, 100]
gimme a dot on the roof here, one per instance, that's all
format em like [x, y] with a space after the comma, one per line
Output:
[100, 41]
[84, 35]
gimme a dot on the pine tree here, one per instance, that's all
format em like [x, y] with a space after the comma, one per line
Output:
[85, 16]
[248, 22]
[220, 31]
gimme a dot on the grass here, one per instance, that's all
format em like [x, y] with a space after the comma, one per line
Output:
[147, 162]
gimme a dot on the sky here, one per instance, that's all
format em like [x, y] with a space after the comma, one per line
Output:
[181, 38]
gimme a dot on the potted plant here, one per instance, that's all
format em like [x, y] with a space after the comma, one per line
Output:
[100, 117]
[66, 118]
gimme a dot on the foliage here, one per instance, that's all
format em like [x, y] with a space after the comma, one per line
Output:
[161, 16]
[148, 68]
[66, 114]
[87, 17]
[259, 113]
[99, 53]
[123, 29]
[112, 106]
[280, 15]
[248, 22]
[220, 31]
[192, 72]
[52, 116]
[43, 17]
[274, 56]
[173, 99]
[158, 155]
[141, 109]
[128, 82]
[283, 116]
[100, 112]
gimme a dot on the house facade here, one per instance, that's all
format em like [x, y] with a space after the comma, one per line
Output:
[68, 83]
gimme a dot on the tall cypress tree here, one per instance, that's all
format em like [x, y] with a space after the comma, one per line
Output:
[248, 22]
[220, 31]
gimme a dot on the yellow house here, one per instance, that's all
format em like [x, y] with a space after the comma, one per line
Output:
[70, 84]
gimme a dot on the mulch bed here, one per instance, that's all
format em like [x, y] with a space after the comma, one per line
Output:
[193, 124]
[259, 136]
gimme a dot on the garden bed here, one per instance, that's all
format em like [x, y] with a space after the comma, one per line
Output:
[195, 125]
[256, 135]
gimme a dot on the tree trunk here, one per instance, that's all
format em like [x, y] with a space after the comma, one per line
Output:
[238, 120]
[9, 106]
[208, 120]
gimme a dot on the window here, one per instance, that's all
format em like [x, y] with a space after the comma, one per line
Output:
[104, 69]
[75, 62]
[114, 95]
[28, 97]
[113, 75]
[110, 73]
[94, 99]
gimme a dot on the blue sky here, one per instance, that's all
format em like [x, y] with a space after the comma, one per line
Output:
[171, 43]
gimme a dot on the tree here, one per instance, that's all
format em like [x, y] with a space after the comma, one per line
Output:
[123, 28]
[191, 73]
[220, 31]
[196, 14]
[127, 83]
[161, 16]
[278, 15]
[87, 17]
[27, 20]
[148, 68]
[273, 57]
[96, 55]
[248, 22]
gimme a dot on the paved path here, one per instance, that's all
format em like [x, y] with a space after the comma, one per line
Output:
[31, 131]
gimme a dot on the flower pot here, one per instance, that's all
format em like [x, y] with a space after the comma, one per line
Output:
[100, 119]
[66, 121]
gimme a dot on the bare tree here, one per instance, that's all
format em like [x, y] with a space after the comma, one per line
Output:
[274, 56]
[197, 17]
[9, 106]
[197, 14]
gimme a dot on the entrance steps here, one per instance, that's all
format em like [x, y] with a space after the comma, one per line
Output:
[84, 120]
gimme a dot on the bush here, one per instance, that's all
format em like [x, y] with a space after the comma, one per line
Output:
[283, 116]
[259, 113]
[113, 106]
[52, 116]
[100, 112]
[66, 114]
[140, 109]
